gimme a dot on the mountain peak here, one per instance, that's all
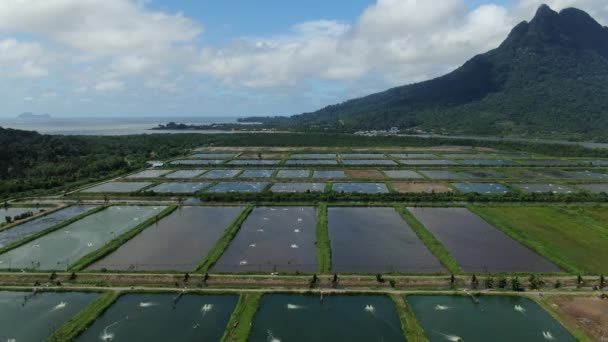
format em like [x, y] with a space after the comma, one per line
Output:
[544, 11]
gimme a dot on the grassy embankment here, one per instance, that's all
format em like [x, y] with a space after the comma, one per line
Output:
[218, 249]
[411, 329]
[574, 238]
[323, 242]
[239, 325]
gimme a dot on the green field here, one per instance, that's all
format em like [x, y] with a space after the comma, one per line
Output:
[575, 238]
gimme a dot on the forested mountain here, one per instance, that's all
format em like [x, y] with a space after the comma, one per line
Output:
[549, 77]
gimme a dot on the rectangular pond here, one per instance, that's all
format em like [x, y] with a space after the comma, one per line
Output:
[329, 174]
[254, 162]
[588, 175]
[492, 318]
[298, 187]
[482, 174]
[302, 318]
[545, 187]
[362, 188]
[63, 247]
[163, 317]
[256, 174]
[178, 242]
[244, 187]
[118, 187]
[421, 187]
[549, 162]
[599, 162]
[213, 155]
[429, 162]
[413, 156]
[273, 239]
[33, 317]
[466, 155]
[476, 245]
[554, 173]
[313, 156]
[179, 188]
[362, 156]
[197, 162]
[38, 225]
[403, 174]
[185, 174]
[293, 174]
[595, 188]
[441, 174]
[14, 211]
[220, 174]
[485, 162]
[150, 174]
[311, 162]
[482, 188]
[376, 240]
[381, 162]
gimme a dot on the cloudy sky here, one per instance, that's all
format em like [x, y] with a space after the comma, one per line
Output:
[236, 57]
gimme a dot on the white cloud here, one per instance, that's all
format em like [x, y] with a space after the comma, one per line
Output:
[23, 59]
[111, 85]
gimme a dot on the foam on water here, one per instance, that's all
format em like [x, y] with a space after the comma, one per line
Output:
[548, 336]
[370, 308]
[147, 304]
[439, 307]
[520, 308]
[453, 338]
[60, 306]
[294, 307]
[243, 262]
[271, 337]
[294, 246]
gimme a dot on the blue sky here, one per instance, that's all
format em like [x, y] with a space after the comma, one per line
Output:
[236, 57]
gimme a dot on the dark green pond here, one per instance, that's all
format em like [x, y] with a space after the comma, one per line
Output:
[160, 317]
[299, 318]
[26, 317]
[494, 318]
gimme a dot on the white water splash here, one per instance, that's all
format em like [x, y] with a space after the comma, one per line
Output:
[296, 230]
[243, 262]
[261, 230]
[207, 307]
[265, 219]
[453, 338]
[439, 307]
[548, 336]
[90, 244]
[294, 307]
[109, 336]
[60, 306]
[147, 304]
[294, 246]
[11, 340]
[300, 220]
[271, 337]
[370, 308]
[520, 308]
[252, 245]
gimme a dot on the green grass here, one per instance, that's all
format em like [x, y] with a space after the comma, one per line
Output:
[323, 242]
[72, 328]
[239, 325]
[411, 329]
[50, 230]
[218, 249]
[431, 242]
[574, 238]
[113, 245]
[547, 305]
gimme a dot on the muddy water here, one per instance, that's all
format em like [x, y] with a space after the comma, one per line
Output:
[273, 239]
[376, 240]
[476, 245]
[178, 242]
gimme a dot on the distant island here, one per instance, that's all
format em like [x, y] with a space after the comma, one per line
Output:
[240, 126]
[32, 116]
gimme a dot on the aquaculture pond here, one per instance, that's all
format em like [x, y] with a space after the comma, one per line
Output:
[185, 174]
[483, 174]
[486, 162]
[546, 187]
[63, 247]
[219, 174]
[33, 317]
[244, 187]
[213, 155]
[404, 174]
[311, 162]
[298, 187]
[38, 225]
[595, 188]
[589, 175]
[365, 188]
[118, 187]
[197, 162]
[555, 173]
[429, 162]
[150, 174]
[13, 211]
[329, 174]
[293, 174]
[163, 317]
[178, 242]
[413, 156]
[482, 188]
[256, 174]
[362, 155]
[486, 318]
[466, 155]
[301, 318]
[313, 156]
[441, 174]
[476, 245]
[273, 239]
[254, 162]
[354, 162]
[549, 162]
[179, 188]
[376, 240]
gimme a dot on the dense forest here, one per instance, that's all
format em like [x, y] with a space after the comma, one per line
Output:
[31, 163]
[549, 78]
